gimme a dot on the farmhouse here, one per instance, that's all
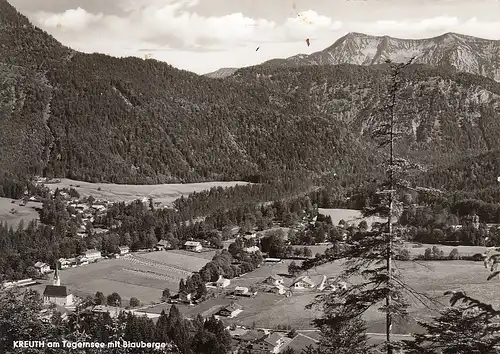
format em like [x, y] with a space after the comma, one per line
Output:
[56, 294]
[123, 250]
[301, 342]
[82, 260]
[111, 310]
[273, 280]
[64, 263]
[241, 291]
[93, 255]
[81, 207]
[249, 235]
[273, 343]
[185, 297]
[222, 282]
[252, 336]
[277, 289]
[163, 245]
[42, 267]
[231, 310]
[303, 282]
[253, 249]
[193, 246]
[98, 207]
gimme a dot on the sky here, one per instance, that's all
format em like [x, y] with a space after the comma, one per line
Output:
[204, 35]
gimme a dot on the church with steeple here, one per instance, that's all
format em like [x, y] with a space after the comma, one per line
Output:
[56, 293]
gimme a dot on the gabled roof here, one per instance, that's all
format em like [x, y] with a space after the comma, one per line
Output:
[301, 342]
[40, 265]
[55, 291]
[275, 277]
[163, 243]
[252, 335]
[305, 279]
[274, 338]
[233, 307]
[192, 243]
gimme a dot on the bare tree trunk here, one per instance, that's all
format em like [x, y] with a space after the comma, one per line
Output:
[389, 217]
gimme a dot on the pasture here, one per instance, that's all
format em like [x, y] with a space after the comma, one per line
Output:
[141, 275]
[26, 213]
[162, 193]
[432, 278]
[462, 250]
[351, 216]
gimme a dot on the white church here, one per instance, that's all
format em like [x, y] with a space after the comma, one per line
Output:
[57, 294]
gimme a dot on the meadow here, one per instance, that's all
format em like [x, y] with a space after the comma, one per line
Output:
[162, 193]
[140, 275]
[419, 249]
[350, 216]
[432, 278]
[26, 213]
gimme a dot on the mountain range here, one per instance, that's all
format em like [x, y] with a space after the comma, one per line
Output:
[94, 117]
[464, 53]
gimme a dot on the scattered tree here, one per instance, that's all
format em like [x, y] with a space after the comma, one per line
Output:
[114, 299]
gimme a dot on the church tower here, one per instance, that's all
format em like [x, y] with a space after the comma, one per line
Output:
[57, 280]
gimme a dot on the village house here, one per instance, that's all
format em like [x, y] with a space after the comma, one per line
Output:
[123, 250]
[251, 337]
[185, 297]
[277, 289]
[98, 207]
[222, 282]
[300, 343]
[64, 263]
[81, 207]
[113, 311]
[273, 260]
[193, 246]
[93, 255]
[273, 280]
[273, 343]
[100, 231]
[303, 282]
[249, 235]
[231, 310]
[241, 291]
[253, 249]
[82, 260]
[163, 245]
[42, 268]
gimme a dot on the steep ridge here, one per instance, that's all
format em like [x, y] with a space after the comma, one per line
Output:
[99, 118]
[464, 53]
[442, 112]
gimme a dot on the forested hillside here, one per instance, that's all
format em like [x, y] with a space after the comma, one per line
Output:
[109, 123]
[98, 118]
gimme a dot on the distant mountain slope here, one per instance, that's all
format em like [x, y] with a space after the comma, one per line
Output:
[97, 118]
[221, 73]
[464, 53]
[443, 112]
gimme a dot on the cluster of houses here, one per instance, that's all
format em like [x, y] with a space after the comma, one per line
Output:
[264, 341]
[192, 246]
